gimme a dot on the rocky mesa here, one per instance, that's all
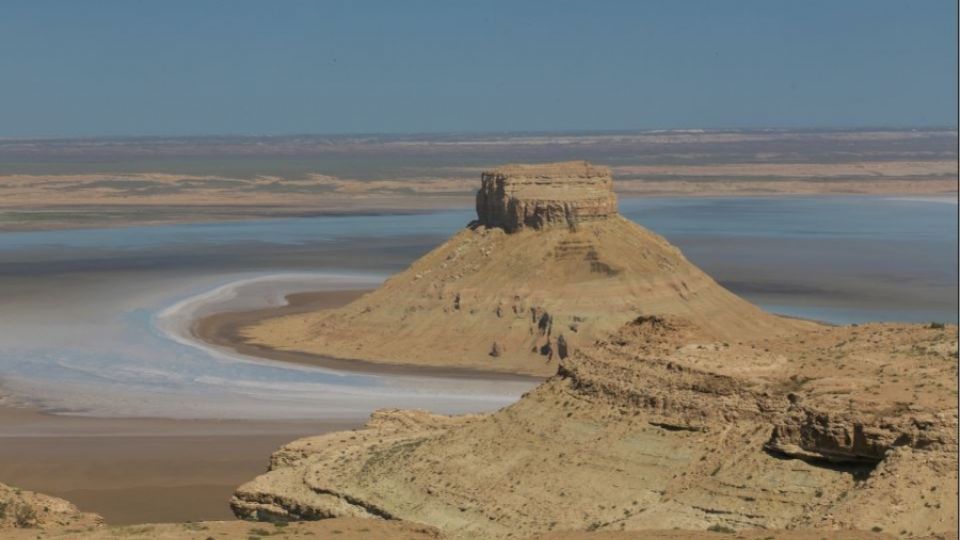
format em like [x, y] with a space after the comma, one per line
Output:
[539, 196]
[548, 266]
[673, 404]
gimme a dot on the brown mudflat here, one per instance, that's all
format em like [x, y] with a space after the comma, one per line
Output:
[140, 470]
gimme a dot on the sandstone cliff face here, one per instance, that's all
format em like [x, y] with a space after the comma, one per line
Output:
[549, 267]
[540, 196]
[659, 427]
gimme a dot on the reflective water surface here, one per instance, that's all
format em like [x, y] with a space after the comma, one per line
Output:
[93, 321]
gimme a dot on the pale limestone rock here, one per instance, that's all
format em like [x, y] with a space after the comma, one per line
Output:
[538, 196]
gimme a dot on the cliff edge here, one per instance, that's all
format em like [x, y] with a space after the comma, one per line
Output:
[654, 427]
[539, 196]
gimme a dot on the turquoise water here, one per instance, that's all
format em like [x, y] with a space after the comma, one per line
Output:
[86, 324]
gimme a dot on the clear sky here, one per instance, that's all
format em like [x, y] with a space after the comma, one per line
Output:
[120, 67]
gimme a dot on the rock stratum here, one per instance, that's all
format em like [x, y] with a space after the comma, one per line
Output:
[539, 196]
[549, 266]
[673, 404]
[30, 511]
[660, 427]
[674, 410]
[25, 515]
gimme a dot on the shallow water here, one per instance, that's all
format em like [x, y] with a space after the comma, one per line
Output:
[93, 321]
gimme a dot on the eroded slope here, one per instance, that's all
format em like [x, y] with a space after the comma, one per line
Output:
[661, 426]
[520, 302]
[548, 266]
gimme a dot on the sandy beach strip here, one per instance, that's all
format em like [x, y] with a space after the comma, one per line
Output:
[224, 330]
[42, 203]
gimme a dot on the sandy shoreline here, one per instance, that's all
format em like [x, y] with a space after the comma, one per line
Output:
[136, 470]
[223, 330]
[43, 213]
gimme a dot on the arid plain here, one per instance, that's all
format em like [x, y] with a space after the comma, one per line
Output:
[668, 401]
[49, 183]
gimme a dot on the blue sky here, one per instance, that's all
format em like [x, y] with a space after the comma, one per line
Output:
[108, 67]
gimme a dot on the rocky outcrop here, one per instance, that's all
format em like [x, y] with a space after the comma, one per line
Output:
[673, 403]
[549, 267]
[288, 496]
[805, 431]
[54, 525]
[659, 427]
[539, 196]
[20, 509]
[340, 528]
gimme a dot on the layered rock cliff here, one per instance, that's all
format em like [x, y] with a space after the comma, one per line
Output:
[539, 196]
[548, 266]
[660, 427]
[673, 403]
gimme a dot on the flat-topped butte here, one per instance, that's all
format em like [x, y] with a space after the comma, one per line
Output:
[549, 266]
[541, 195]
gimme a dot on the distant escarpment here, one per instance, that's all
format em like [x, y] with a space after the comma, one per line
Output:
[659, 426]
[549, 266]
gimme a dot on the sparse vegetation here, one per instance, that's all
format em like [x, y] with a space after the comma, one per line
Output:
[26, 516]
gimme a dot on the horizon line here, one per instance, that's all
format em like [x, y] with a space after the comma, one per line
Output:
[482, 133]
